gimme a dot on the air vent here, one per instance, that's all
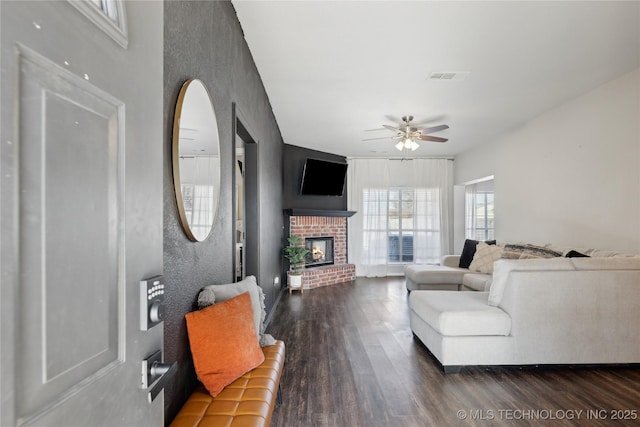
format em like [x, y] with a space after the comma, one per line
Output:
[448, 75]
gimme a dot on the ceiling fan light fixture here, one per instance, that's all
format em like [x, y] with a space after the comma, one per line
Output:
[406, 134]
[407, 144]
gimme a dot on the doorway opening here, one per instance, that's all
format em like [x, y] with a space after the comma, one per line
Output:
[239, 210]
[245, 201]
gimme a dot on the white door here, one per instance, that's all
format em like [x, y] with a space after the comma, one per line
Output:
[81, 209]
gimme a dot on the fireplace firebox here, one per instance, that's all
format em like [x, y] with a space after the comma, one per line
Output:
[320, 251]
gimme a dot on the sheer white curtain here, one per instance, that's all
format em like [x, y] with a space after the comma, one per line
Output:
[471, 210]
[369, 184]
[433, 181]
[367, 188]
[479, 202]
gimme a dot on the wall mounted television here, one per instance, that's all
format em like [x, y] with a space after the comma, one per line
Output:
[323, 178]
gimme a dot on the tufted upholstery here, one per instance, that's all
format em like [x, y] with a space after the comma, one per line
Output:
[248, 401]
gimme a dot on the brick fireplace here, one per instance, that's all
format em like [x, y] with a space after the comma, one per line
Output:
[309, 226]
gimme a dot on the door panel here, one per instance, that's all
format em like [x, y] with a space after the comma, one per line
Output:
[81, 213]
[69, 230]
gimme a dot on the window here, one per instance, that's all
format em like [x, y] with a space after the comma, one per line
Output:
[405, 222]
[403, 213]
[401, 224]
[479, 206]
[107, 15]
[108, 7]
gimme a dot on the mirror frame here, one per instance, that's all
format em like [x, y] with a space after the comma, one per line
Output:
[175, 154]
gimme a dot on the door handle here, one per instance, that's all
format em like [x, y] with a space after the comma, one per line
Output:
[167, 372]
[156, 373]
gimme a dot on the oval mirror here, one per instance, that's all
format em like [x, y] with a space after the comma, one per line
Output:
[196, 160]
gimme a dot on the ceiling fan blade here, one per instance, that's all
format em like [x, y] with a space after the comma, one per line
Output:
[372, 139]
[434, 129]
[393, 119]
[429, 120]
[433, 138]
[376, 129]
[391, 128]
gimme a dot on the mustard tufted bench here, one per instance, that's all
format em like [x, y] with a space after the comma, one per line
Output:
[248, 401]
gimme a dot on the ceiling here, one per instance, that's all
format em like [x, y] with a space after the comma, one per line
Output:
[334, 69]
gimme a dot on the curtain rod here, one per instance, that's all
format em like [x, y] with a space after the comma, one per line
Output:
[402, 158]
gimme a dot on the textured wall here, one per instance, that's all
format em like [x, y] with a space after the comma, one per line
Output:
[204, 40]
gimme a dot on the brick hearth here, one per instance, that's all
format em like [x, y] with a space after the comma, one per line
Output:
[325, 226]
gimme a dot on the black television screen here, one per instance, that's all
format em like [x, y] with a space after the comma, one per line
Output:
[323, 178]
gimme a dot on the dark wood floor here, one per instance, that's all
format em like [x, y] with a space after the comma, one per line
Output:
[352, 361]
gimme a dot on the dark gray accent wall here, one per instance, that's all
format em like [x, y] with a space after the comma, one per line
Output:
[293, 162]
[203, 39]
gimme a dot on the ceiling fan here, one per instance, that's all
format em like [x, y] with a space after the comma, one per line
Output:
[407, 133]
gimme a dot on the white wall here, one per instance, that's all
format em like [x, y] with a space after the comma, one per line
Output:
[572, 175]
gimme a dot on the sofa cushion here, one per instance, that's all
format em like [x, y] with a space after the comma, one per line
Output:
[249, 400]
[217, 293]
[564, 250]
[453, 313]
[484, 257]
[597, 253]
[477, 281]
[434, 274]
[611, 263]
[575, 254]
[450, 260]
[503, 267]
[527, 251]
[469, 250]
[223, 342]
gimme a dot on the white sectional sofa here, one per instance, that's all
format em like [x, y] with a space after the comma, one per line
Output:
[445, 276]
[536, 311]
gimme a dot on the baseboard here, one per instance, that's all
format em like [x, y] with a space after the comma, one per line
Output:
[269, 315]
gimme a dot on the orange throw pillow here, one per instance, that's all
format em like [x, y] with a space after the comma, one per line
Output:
[223, 342]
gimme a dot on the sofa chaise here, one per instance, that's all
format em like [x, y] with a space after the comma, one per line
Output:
[536, 311]
[445, 276]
